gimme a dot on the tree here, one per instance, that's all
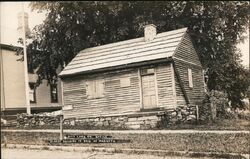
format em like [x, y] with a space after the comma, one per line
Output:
[215, 27]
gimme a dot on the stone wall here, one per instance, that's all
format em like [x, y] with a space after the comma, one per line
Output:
[147, 120]
[24, 120]
[151, 120]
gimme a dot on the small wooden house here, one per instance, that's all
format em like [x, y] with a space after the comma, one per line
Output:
[141, 77]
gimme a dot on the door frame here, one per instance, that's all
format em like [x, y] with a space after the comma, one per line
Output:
[141, 91]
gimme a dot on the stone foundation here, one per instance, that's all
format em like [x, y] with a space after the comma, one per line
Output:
[150, 120]
[142, 120]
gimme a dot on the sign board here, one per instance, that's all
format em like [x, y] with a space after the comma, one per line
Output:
[67, 107]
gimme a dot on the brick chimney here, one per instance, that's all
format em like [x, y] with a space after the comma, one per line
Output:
[149, 32]
[20, 23]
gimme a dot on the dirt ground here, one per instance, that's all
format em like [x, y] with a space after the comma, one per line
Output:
[46, 154]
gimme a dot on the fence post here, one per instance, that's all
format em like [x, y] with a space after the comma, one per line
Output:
[61, 127]
[213, 106]
[197, 113]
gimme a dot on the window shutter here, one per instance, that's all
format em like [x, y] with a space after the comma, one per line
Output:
[190, 78]
[100, 88]
[89, 89]
[125, 82]
[95, 89]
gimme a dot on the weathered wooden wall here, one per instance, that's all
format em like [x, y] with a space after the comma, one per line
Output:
[179, 95]
[117, 99]
[164, 84]
[187, 58]
[127, 97]
[187, 52]
[196, 93]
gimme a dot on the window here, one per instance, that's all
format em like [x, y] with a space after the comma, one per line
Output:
[53, 93]
[147, 71]
[125, 82]
[95, 89]
[32, 93]
[190, 78]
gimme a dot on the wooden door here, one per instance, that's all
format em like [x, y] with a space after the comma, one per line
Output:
[148, 91]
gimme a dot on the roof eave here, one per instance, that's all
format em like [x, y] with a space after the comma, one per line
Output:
[9, 47]
[113, 68]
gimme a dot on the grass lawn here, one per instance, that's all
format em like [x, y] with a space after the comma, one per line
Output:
[218, 124]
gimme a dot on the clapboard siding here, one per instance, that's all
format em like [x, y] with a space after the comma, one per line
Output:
[117, 99]
[187, 52]
[186, 58]
[179, 94]
[196, 93]
[164, 85]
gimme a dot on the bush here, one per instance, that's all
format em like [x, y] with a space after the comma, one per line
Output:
[220, 101]
[243, 114]
[204, 109]
[215, 104]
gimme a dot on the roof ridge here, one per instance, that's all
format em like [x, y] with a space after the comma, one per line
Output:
[131, 40]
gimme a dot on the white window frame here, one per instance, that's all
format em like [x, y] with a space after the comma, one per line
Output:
[190, 78]
[53, 90]
[32, 92]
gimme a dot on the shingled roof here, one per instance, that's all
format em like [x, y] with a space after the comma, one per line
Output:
[125, 52]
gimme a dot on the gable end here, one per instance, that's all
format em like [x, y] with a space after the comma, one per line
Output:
[186, 51]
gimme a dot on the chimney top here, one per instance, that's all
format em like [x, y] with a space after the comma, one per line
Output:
[20, 23]
[149, 32]
[148, 25]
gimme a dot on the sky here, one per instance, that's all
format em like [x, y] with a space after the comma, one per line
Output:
[8, 19]
[8, 25]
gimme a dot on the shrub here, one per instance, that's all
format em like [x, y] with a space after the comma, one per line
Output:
[215, 104]
[204, 109]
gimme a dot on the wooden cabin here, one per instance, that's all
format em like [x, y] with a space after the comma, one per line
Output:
[142, 76]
